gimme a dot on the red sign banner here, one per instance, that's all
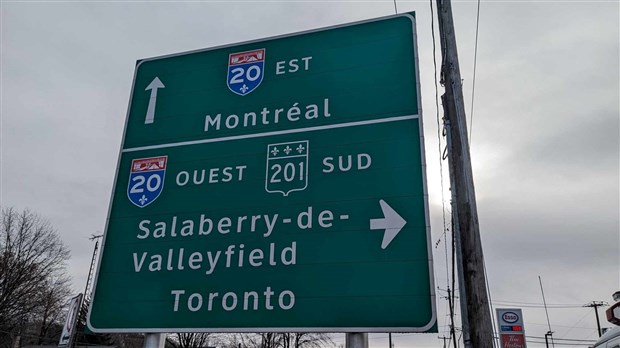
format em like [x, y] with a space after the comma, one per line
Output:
[513, 340]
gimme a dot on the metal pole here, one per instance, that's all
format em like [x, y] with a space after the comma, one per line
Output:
[546, 312]
[84, 297]
[154, 340]
[356, 340]
[92, 264]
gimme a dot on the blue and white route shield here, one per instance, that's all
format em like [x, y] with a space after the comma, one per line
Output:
[245, 71]
[146, 180]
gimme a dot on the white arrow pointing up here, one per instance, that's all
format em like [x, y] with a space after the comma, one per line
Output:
[150, 111]
[392, 223]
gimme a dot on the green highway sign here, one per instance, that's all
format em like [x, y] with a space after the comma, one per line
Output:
[273, 185]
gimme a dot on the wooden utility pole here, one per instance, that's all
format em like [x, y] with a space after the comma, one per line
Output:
[595, 305]
[475, 299]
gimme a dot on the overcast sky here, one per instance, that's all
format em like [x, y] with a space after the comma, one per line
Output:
[545, 137]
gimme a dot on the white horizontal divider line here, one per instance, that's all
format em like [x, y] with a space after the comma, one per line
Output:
[268, 134]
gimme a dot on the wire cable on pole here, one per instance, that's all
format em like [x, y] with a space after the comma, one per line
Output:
[471, 127]
[473, 87]
[486, 281]
[443, 206]
[439, 135]
[562, 305]
[578, 321]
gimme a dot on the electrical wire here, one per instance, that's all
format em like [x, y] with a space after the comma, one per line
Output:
[473, 87]
[443, 205]
[562, 344]
[536, 305]
[471, 127]
[527, 323]
[439, 127]
[486, 281]
[562, 339]
[579, 321]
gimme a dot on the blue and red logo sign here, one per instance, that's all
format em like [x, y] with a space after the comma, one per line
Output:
[146, 180]
[511, 328]
[510, 317]
[245, 71]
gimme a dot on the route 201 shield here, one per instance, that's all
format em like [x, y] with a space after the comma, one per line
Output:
[245, 71]
[287, 167]
[146, 180]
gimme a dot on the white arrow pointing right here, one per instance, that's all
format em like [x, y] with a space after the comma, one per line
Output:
[392, 223]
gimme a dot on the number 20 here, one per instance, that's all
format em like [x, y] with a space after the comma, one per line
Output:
[252, 74]
[152, 184]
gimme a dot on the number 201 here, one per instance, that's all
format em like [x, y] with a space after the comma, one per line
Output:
[288, 172]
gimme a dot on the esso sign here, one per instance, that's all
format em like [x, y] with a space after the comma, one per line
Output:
[510, 317]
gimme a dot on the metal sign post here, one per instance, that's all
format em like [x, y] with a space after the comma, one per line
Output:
[356, 340]
[153, 340]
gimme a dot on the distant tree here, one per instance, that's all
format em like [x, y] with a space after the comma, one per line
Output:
[34, 285]
[251, 340]
[278, 340]
[190, 339]
[50, 312]
[307, 340]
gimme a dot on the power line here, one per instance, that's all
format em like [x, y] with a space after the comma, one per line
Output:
[486, 280]
[471, 127]
[565, 326]
[577, 323]
[562, 344]
[538, 304]
[563, 339]
[439, 133]
[473, 87]
[532, 304]
[566, 341]
[443, 206]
